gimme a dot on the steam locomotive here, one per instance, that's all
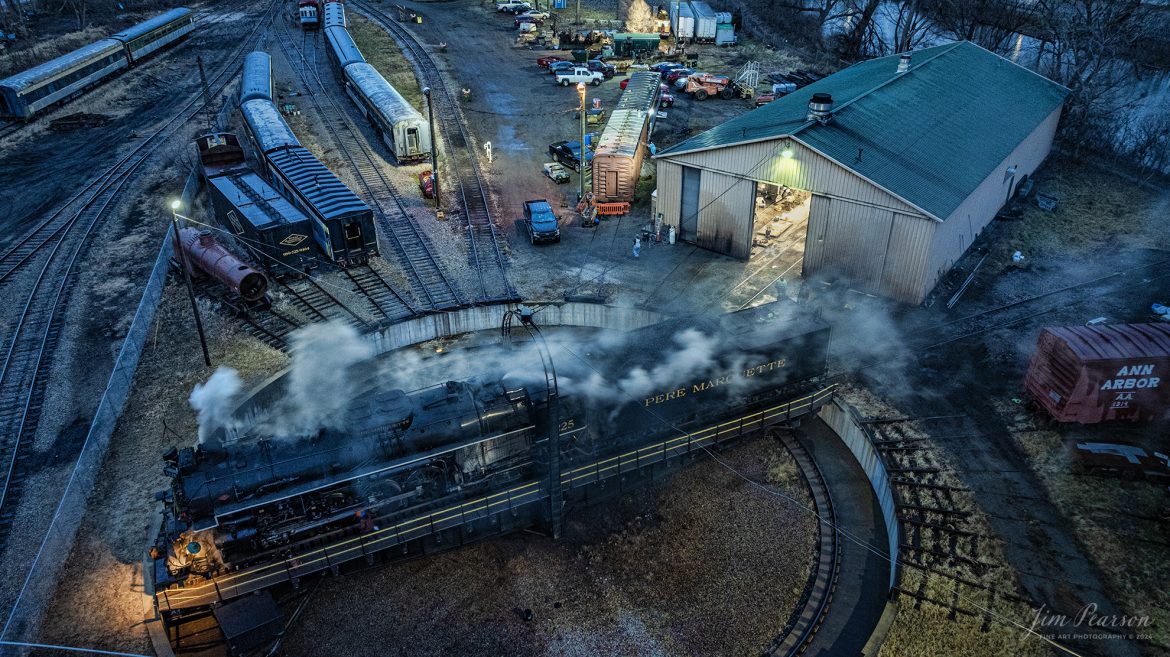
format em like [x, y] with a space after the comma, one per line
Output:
[253, 494]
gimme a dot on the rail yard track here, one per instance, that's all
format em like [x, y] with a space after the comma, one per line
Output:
[56, 244]
[429, 283]
[483, 236]
[804, 622]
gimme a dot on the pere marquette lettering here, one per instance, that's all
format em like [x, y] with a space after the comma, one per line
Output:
[703, 386]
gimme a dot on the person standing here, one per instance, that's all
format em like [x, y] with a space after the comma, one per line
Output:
[637, 246]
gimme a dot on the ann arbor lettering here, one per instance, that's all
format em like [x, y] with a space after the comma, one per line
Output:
[1131, 377]
[717, 382]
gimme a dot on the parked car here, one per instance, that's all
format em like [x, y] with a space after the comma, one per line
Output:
[556, 172]
[666, 99]
[676, 73]
[568, 154]
[608, 70]
[577, 75]
[538, 15]
[661, 67]
[513, 7]
[547, 60]
[522, 19]
[541, 221]
[680, 82]
[561, 66]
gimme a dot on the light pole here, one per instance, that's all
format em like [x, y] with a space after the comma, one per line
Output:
[434, 150]
[182, 255]
[581, 160]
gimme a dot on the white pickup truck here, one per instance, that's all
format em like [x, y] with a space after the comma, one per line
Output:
[579, 74]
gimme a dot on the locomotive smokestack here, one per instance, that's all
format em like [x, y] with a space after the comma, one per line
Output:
[820, 108]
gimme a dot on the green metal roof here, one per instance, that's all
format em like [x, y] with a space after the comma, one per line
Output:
[929, 136]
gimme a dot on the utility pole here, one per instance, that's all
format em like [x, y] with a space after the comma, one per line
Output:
[182, 256]
[206, 95]
[581, 159]
[434, 150]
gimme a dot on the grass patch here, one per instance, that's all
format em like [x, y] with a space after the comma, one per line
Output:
[1116, 520]
[383, 53]
[1094, 207]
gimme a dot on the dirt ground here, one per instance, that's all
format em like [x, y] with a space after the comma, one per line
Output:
[704, 564]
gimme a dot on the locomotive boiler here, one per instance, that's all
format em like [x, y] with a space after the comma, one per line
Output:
[241, 497]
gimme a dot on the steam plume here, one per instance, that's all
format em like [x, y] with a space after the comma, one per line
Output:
[215, 400]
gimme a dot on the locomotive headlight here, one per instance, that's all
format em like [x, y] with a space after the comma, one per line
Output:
[194, 548]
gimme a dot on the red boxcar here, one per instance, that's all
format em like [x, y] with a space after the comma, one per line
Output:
[1090, 374]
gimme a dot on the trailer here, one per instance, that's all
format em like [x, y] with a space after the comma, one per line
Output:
[1091, 374]
[628, 44]
[705, 21]
[682, 20]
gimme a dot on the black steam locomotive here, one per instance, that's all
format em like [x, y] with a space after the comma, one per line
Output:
[256, 495]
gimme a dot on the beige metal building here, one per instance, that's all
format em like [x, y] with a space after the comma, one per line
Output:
[907, 159]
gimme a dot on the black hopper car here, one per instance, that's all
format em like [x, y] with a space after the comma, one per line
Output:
[254, 496]
[275, 232]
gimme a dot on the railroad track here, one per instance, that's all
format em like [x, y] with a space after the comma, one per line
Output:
[318, 304]
[385, 299]
[9, 128]
[61, 239]
[484, 253]
[412, 249]
[804, 622]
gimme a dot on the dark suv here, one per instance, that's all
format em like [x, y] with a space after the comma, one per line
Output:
[608, 70]
[568, 154]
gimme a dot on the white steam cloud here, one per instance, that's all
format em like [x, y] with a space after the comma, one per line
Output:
[215, 401]
[319, 381]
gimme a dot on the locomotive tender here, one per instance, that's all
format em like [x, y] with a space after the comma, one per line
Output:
[28, 92]
[253, 496]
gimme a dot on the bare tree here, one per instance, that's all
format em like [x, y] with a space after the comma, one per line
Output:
[1085, 46]
[80, 9]
[990, 23]
[822, 12]
[1147, 143]
[860, 30]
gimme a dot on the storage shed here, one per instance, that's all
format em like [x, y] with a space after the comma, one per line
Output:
[903, 161]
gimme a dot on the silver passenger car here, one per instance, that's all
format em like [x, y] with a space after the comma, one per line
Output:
[256, 80]
[266, 127]
[401, 126]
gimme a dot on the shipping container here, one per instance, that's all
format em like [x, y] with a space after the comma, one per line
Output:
[1090, 374]
[617, 160]
[704, 22]
[626, 44]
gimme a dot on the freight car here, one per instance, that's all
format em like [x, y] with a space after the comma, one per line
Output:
[252, 495]
[617, 160]
[309, 13]
[343, 225]
[342, 50]
[204, 255]
[398, 123]
[275, 232]
[28, 92]
[1091, 374]
[256, 80]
